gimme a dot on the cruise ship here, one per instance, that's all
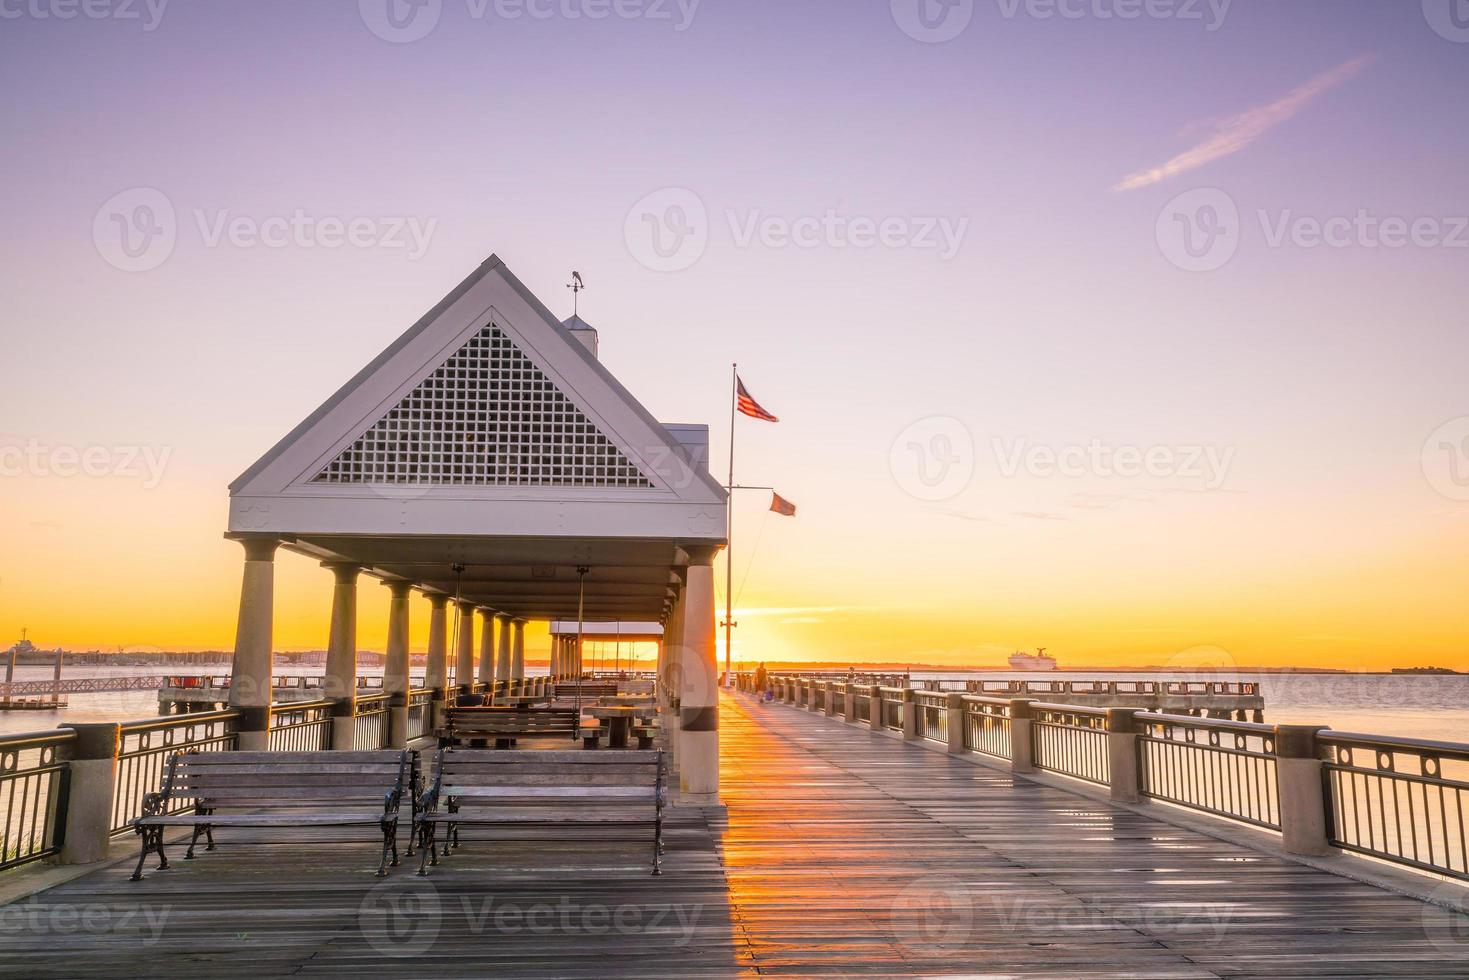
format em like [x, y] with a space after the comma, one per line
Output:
[1033, 661]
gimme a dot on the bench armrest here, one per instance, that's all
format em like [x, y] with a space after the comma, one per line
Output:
[155, 804]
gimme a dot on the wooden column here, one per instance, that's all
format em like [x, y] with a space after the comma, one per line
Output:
[250, 687]
[464, 655]
[488, 675]
[395, 674]
[436, 670]
[340, 682]
[517, 651]
[502, 655]
[699, 683]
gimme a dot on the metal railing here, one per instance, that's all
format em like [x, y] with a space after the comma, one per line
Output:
[892, 709]
[1227, 768]
[370, 727]
[1401, 800]
[144, 748]
[420, 713]
[1398, 800]
[33, 781]
[1071, 741]
[933, 715]
[303, 727]
[987, 726]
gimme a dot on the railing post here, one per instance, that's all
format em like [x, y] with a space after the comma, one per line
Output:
[874, 708]
[831, 694]
[910, 716]
[790, 691]
[956, 722]
[1303, 823]
[849, 703]
[91, 786]
[1022, 744]
[1122, 756]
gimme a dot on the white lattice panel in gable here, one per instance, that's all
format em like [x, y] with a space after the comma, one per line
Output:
[486, 417]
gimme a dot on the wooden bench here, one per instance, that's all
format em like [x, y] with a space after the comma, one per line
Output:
[206, 790]
[505, 725]
[645, 733]
[556, 795]
[590, 691]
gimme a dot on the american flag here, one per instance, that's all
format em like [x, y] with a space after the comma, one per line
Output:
[782, 506]
[749, 406]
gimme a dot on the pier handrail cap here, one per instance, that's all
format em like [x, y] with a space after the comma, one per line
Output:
[1297, 741]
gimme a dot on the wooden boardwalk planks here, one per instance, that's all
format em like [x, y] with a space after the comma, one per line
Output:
[840, 852]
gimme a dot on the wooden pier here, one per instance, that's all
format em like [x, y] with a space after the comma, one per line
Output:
[838, 851]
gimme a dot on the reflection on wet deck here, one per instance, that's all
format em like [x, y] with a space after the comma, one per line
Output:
[840, 851]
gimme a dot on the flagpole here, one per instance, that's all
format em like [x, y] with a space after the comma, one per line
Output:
[734, 400]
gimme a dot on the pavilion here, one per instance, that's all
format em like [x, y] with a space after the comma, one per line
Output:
[488, 461]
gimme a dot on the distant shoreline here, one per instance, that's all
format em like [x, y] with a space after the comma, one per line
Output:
[871, 668]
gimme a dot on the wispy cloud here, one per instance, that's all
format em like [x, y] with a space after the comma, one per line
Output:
[1237, 132]
[1038, 515]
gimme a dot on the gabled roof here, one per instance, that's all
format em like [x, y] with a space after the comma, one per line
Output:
[487, 398]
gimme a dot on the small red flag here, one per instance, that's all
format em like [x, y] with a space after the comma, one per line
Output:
[749, 406]
[782, 506]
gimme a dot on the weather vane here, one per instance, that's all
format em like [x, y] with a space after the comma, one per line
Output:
[576, 286]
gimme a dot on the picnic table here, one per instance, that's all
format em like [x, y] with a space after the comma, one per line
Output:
[619, 719]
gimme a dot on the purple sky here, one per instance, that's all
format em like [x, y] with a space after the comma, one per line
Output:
[1060, 318]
